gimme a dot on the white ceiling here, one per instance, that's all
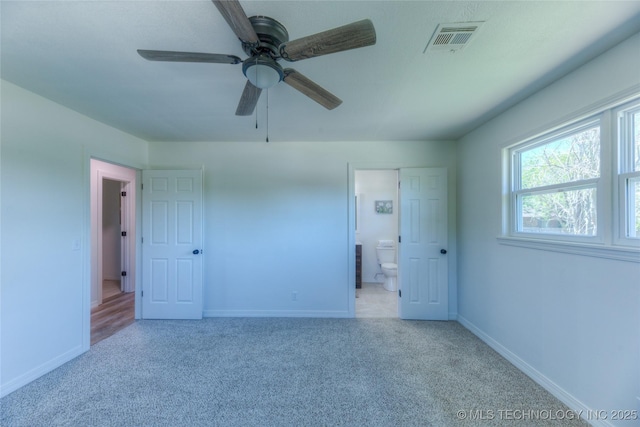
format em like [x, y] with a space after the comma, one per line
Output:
[82, 54]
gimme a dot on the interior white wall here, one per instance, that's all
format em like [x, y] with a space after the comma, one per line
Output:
[44, 279]
[277, 219]
[572, 322]
[372, 185]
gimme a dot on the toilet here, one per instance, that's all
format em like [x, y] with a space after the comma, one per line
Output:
[386, 253]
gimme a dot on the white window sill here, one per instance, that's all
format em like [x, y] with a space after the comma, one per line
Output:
[600, 251]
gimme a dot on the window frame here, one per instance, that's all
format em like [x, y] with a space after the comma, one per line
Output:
[625, 172]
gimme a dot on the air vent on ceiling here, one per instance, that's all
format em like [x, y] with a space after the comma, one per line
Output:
[452, 37]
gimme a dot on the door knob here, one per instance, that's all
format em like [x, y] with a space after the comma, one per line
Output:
[443, 251]
[196, 252]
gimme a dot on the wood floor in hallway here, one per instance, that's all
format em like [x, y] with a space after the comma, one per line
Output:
[115, 313]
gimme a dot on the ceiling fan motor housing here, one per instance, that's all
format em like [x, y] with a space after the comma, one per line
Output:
[271, 35]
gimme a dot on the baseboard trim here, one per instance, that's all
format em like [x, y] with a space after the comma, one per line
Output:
[545, 382]
[39, 371]
[276, 313]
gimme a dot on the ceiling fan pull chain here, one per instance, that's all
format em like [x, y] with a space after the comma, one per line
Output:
[256, 101]
[267, 114]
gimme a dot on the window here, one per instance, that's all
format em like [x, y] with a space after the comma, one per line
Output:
[555, 182]
[628, 121]
[576, 188]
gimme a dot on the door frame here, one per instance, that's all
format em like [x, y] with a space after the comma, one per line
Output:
[97, 170]
[351, 231]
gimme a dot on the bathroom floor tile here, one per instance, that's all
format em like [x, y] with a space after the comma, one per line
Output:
[372, 300]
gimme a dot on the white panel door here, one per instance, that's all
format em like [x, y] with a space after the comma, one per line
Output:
[172, 244]
[422, 268]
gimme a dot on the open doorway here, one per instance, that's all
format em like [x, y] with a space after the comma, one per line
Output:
[421, 244]
[376, 233]
[112, 248]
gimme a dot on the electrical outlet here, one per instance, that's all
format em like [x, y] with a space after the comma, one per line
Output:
[294, 296]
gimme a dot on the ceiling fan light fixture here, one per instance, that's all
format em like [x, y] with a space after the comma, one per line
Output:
[263, 72]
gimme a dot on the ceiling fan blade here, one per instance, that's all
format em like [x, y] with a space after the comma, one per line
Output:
[350, 36]
[232, 12]
[168, 55]
[248, 100]
[311, 89]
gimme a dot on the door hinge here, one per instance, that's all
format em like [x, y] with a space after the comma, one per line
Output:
[141, 293]
[123, 234]
[399, 239]
[142, 186]
[124, 273]
[124, 193]
[399, 293]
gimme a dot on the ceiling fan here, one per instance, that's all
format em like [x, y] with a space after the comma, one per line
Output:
[266, 41]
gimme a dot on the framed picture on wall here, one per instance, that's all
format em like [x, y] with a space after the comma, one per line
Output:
[384, 206]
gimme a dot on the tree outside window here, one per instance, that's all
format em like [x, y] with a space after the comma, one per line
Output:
[557, 183]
